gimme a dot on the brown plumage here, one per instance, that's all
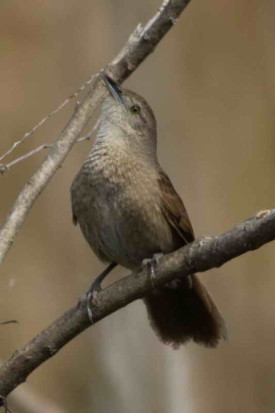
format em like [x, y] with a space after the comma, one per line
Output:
[185, 301]
[128, 210]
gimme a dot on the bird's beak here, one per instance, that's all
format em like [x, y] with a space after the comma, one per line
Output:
[113, 88]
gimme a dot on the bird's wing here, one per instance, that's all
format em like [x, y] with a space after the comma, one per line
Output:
[174, 210]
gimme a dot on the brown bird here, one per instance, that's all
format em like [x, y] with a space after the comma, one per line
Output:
[128, 211]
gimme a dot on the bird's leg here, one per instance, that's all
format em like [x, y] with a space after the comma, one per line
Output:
[95, 288]
[150, 264]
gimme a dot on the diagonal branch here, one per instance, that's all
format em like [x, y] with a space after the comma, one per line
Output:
[199, 256]
[140, 44]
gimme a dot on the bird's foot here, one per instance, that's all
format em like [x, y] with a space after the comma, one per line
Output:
[90, 297]
[151, 264]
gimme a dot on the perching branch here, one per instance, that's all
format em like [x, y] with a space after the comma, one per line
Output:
[140, 44]
[199, 256]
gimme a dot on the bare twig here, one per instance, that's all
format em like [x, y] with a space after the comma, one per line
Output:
[140, 44]
[9, 322]
[46, 118]
[201, 255]
[6, 167]
[90, 134]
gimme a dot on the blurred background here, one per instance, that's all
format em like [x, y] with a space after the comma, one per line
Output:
[211, 84]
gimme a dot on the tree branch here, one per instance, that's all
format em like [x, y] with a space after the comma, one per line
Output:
[199, 256]
[140, 44]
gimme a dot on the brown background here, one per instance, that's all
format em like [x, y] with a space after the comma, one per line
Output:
[211, 83]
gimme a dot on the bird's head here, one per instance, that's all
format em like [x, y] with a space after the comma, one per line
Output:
[127, 119]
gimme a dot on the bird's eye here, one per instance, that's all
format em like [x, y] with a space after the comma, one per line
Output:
[135, 109]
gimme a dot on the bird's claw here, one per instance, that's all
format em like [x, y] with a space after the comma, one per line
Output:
[88, 298]
[151, 264]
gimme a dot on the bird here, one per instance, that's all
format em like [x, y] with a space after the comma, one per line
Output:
[130, 213]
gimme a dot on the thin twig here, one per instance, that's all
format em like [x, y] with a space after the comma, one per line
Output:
[9, 322]
[46, 118]
[5, 167]
[199, 256]
[90, 134]
[140, 44]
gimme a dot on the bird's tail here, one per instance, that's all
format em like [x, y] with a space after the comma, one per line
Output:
[183, 310]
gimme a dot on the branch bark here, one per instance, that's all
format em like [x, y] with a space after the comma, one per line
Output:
[199, 256]
[140, 44]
